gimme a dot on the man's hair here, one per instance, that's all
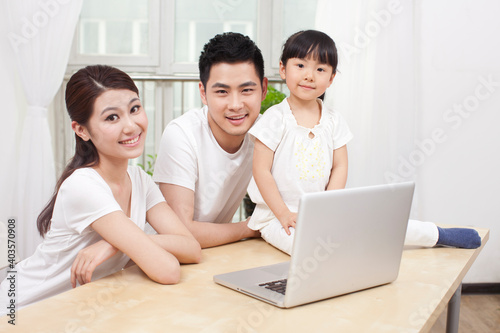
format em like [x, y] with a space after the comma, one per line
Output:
[231, 48]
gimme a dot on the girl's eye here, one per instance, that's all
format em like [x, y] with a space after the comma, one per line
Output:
[112, 117]
[321, 69]
[300, 65]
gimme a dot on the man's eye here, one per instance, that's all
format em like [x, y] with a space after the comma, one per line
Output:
[220, 91]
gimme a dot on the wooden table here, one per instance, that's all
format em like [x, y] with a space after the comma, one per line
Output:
[130, 302]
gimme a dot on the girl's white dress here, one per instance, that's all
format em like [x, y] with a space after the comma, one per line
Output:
[303, 159]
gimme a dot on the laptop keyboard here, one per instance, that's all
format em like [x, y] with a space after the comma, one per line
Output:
[278, 286]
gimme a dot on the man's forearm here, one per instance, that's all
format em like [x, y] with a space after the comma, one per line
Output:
[208, 234]
[184, 248]
[214, 234]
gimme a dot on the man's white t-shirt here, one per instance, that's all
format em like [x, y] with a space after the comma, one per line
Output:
[190, 156]
[83, 198]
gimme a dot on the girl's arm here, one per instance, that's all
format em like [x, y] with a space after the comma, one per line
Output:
[121, 233]
[262, 163]
[173, 236]
[338, 176]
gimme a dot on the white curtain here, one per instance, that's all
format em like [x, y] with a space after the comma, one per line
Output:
[10, 132]
[374, 88]
[40, 33]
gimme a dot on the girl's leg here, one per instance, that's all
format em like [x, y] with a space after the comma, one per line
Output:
[421, 233]
[275, 235]
[427, 234]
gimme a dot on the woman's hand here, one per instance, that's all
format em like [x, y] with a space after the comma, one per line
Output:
[88, 259]
[288, 220]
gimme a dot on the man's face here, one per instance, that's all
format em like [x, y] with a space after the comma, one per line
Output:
[233, 95]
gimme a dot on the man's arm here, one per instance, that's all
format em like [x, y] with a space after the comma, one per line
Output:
[181, 200]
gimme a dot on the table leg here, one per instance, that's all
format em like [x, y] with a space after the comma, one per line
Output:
[454, 311]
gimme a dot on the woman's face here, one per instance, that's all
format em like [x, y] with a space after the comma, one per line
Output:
[118, 125]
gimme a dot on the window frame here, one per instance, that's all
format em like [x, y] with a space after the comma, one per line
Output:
[161, 43]
[133, 63]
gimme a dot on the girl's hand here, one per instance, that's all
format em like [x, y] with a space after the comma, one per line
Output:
[288, 220]
[88, 259]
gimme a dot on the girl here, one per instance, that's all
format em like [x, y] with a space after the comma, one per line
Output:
[93, 225]
[300, 147]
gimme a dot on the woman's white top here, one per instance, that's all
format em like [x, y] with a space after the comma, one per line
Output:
[83, 198]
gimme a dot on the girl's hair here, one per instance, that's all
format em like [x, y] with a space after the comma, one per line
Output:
[311, 43]
[83, 88]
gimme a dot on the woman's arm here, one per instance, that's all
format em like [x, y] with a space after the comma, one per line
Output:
[262, 164]
[88, 259]
[120, 232]
[338, 176]
[176, 240]
[173, 236]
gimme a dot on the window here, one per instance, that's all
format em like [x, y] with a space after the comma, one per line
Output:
[158, 43]
[193, 28]
[119, 32]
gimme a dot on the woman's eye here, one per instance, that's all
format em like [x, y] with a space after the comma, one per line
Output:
[112, 117]
[135, 109]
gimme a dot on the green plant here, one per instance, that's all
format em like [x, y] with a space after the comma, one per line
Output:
[150, 164]
[273, 96]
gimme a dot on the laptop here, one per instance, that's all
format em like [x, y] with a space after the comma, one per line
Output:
[345, 241]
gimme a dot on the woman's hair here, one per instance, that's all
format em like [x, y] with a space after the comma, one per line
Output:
[311, 43]
[82, 90]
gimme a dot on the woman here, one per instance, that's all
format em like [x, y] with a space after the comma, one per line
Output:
[93, 225]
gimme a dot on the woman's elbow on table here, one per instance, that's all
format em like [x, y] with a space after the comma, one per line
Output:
[166, 275]
[164, 270]
[195, 257]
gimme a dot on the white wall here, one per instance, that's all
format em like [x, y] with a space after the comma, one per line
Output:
[459, 97]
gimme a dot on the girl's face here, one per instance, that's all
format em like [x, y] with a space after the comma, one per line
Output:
[118, 125]
[307, 79]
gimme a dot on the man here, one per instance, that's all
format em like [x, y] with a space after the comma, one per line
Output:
[204, 162]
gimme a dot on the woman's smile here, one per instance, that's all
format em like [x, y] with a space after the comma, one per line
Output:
[132, 141]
